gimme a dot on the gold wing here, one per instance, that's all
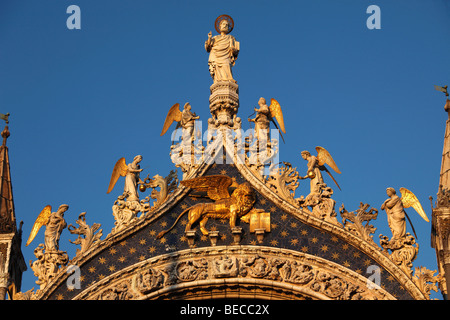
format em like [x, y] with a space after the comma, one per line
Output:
[41, 220]
[275, 112]
[324, 157]
[409, 199]
[174, 114]
[216, 186]
[120, 169]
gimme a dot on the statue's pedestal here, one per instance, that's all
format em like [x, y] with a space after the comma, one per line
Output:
[224, 102]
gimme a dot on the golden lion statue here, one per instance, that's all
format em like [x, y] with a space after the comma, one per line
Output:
[226, 205]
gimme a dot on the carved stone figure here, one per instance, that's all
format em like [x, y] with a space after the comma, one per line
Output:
[185, 119]
[395, 211]
[149, 280]
[226, 205]
[50, 258]
[316, 164]
[225, 267]
[131, 173]
[54, 222]
[223, 50]
[265, 115]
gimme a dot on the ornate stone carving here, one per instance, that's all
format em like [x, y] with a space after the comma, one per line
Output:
[118, 292]
[251, 266]
[187, 271]
[224, 104]
[126, 212]
[284, 181]
[443, 198]
[188, 156]
[47, 265]
[353, 221]
[321, 204]
[426, 280]
[28, 295]
[149, 280]
[403, 251]
[225, 267]
[87, 236]
[166, 186]
[335, 287]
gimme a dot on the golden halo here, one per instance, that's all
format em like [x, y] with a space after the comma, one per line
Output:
[219, 20]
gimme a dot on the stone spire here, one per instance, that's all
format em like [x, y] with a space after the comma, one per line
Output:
[12, 263]
[444, 180]
[440, 232]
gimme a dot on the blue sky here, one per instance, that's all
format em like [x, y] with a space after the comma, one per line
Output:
[81, 99]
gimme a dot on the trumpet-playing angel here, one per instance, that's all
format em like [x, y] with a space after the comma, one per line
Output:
[316, 164]
[55, 224]
[395, 211]
[131, 173]
[266, 114]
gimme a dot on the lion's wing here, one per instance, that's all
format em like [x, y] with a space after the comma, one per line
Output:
[216, 186]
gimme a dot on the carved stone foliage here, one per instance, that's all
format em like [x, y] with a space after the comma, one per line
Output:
[284, 181]
[47, 265]
[403, 251]
[314, 278]
[87, 235]
[426, 280]
[358, 221]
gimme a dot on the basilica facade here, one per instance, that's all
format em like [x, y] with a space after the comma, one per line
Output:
[227, 223]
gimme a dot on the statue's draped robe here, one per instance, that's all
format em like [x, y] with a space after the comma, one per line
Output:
[221, 57]
[131, 179]
[317, 181]
[396, 217]
[187, 125]
[53, 232]
[262, 123]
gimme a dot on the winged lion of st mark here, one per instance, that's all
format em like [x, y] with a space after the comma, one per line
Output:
[226, 205]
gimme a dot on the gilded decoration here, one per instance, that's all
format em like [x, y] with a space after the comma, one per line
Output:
[233, 226]
[135, 245]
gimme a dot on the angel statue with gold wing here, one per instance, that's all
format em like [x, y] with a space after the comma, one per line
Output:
[55, 224]
[395, 211]
[131, 173]
[316, 164]
[266, 114]
[185, 119]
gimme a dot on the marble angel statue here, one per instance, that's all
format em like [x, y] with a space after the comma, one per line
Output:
[131, 173]
[55, 224]
[185, 119]
[395, 211]
[266, 114]
[316, 164]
